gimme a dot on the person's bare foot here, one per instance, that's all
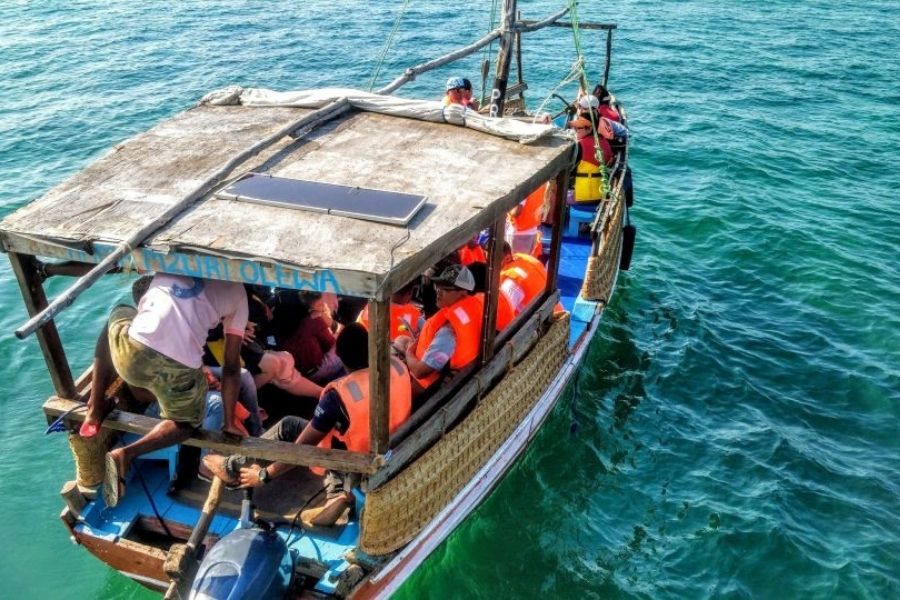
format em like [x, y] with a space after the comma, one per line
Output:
[213, 465]
[327, 515]
[94, 418]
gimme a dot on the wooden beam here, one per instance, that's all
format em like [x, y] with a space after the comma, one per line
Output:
[426, 435]
[606, 63]
[528, 25]
[516, 89]
[559, 213]
[492, 285]
[338, 460]
[379, 375]
[25, 269]
[504, 56]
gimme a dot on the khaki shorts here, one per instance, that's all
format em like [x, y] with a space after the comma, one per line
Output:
[180, 390]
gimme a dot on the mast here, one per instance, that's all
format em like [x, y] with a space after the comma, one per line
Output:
[504, 57]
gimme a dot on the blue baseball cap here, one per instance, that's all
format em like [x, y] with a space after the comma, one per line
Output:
[455, 83]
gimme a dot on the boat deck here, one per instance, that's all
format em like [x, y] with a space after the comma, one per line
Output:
[277, 503]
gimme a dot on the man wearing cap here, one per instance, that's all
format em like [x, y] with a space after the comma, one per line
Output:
[459, 91]
[451, 337]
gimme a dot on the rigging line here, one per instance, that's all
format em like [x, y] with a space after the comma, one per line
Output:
[137, 470]
[576, 35]
[387, 44]
[492, 23]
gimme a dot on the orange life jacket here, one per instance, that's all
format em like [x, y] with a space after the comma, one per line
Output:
[523, 280]
[465, 319]
[531, 211]
[354, 392]
[506, 311]
[467, 255]
[404, 319]
[537, 250]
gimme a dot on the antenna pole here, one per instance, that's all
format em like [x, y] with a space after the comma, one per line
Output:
[504, 56]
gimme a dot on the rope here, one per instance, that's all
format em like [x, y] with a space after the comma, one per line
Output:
[573, 74]
[387, 45]
[492, 23]
[576, 35]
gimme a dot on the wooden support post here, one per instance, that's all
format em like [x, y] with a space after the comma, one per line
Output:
[379, 376]
[520, 77]
[608, 56]
[559, 215]
[24, 267]
[492, 285]
[504, 56]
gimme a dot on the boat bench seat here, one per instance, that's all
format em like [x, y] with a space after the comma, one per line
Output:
[169, 454]
[576, 218]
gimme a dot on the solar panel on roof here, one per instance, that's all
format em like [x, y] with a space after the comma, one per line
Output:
[395, 208]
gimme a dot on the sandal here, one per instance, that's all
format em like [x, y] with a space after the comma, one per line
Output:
[113, 481]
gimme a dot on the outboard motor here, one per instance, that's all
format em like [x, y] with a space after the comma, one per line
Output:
[247, 564]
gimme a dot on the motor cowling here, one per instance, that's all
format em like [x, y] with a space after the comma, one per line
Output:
[245, 564]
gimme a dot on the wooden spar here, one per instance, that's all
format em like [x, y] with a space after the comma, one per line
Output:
[425, 435]
[492, 285]
[504, 55]
[520, 77]
[181, 562]
[412, 72]
[379, 375]
[272, 450]
[559, 208]
[526, 26]
[64, 300]
[609, 33]
[48, 337]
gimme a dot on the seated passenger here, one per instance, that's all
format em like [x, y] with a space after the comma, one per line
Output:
[525, 219]
[522, 279]
[404, 314]
[341, 420]
[472, 252]
[454, 91]
[604, 101]
[589, 186]
[311, 343]
[450, 339]
[467, 98]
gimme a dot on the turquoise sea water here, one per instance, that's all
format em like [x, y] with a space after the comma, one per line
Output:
[737, 420]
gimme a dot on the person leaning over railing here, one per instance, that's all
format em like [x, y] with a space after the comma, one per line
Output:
[159, 347]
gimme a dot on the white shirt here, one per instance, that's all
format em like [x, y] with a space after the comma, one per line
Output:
[175, 315]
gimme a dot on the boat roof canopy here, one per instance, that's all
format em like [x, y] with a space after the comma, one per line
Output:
[467, 177]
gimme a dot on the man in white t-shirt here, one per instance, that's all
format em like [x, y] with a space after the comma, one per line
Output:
[159, 347]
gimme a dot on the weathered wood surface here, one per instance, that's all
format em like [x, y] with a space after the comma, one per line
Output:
[379, 376]
[527, 25]
[558, 208]
[260, 448]
[504, 55]
[489, 317]
[137, 180]
[507, 356]
[469, 178]
[48, 337]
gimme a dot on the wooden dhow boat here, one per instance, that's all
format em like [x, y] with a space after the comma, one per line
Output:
[209, 194]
